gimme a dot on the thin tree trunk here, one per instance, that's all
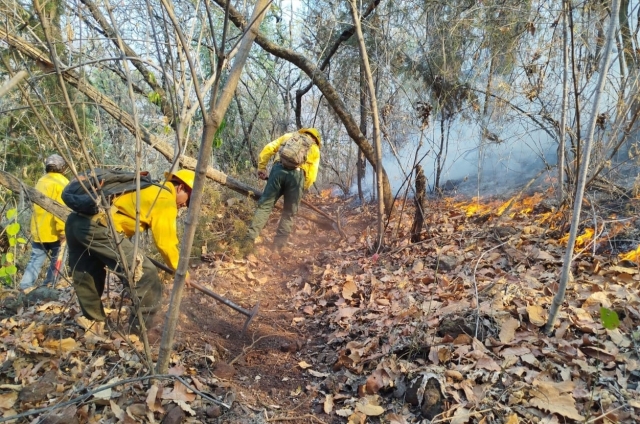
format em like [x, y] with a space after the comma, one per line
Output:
[361, 164]
[376, 123]
[565, 98]
[582, 178]
[212, 121]
[421, 204]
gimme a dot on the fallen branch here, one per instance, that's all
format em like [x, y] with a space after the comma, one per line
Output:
[61, 211]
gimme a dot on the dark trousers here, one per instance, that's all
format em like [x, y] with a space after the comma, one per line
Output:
[91, 249]
[281, 182]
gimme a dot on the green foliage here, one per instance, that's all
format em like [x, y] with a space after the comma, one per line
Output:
[609, 319]
[7, 261]
[155, 98]
[217, 138]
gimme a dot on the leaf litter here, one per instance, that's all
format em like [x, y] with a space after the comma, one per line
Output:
[445, 330]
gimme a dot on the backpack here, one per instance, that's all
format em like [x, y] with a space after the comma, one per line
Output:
[293, 152]
[111, 183]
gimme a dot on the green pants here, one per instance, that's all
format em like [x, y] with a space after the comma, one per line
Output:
[91, 249]
[282, 182]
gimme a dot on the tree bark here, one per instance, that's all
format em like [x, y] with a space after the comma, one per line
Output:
[15, 185]
[421, 204]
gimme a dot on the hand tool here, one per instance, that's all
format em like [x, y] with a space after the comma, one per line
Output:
[60, 260]
[250, 314]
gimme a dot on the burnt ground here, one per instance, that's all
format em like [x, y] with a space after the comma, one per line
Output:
[259, 368]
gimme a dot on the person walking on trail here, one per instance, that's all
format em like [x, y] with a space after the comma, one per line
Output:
[47, 231]
[92, 246]
[297, 158]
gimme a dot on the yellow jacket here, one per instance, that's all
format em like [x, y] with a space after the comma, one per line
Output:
[310, 167]
[45, 227]
[158, 212]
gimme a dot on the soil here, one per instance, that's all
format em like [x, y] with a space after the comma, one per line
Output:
[259, 367]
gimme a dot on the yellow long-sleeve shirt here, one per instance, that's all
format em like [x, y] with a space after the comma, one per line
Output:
[310, 167]
[158, 212]
[45, 227]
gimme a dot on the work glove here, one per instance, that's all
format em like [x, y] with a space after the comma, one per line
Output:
[262, 174]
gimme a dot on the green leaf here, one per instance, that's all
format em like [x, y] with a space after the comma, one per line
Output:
[12, 270]
[12, 241]
[13, 229]
[21, 240]
[11, 213]
[609, 319]
[155, 98]
[3, 272]
[9, 257]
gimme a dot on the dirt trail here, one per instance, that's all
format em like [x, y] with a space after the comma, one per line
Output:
[259, 368]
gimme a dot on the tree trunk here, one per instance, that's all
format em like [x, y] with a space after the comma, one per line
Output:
[361, 164]
[582, 178]
[382, 191]
[421, 204]
[562, 133]
[213, 118]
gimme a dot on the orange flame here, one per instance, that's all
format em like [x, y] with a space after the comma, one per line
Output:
[580, 240]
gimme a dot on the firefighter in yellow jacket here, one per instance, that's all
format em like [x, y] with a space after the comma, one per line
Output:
[92, 246]
[282, 181]
[47, 231]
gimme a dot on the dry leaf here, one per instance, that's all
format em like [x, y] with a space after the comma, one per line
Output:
[376, 381]
[345, 313]
[508, 330]
[186, 408]
[318, 374]
[153, 403]
[328, 404]
[117, 411]
[512, 419]
[349, 289]
[179, 393]
[597, 353]
[137, 410]
[344, 412]
[64, 345]
[304, 365]
[370, 410]
[550, 397]
[105, 394]
[461, 416]
[536, 315]
[488, 364]
[357, 418]
[8, 399]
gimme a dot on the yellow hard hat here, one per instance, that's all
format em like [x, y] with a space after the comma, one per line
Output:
[185, 175]
[312, 132]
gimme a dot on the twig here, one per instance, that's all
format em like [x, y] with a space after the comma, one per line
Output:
[592, 420]
[245, 349]
[475, 285]
[90, 393]
[274, 419]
